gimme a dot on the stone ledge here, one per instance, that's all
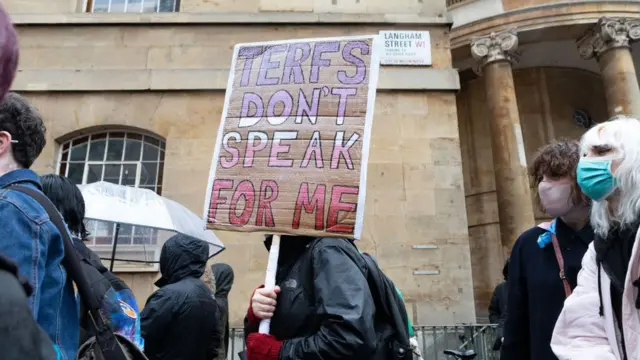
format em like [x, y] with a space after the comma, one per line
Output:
[391, 78]
[226, 18]
[543, 17]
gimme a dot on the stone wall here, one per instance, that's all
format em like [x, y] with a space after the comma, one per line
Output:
[431, 7]
[547, 98]
[519, 4]
[173, 57]
[317, 6]
[42, 6]
[92, 77]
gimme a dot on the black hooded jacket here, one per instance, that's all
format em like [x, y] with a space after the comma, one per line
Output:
[498, 305]
[326, 313]
[180, 320]
[223, 277]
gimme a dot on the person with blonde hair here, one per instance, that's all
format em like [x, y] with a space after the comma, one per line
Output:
[601, 319]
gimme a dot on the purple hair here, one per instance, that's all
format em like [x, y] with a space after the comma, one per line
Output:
[8, 52]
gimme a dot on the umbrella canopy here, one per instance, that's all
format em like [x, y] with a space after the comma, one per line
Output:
[142, 208]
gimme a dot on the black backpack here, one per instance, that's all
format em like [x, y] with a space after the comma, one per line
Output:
[113, 294]
[105, 345]
[391, 320]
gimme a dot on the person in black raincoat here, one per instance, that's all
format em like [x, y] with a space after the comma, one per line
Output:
[223, 278]
[180, 320]
[321, 308]
[498, 306]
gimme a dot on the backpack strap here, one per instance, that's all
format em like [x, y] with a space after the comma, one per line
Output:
[105, 337]
[560, 259]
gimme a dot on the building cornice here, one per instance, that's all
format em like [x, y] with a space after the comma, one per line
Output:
[391, 78]
[225, 19]
[544, 16]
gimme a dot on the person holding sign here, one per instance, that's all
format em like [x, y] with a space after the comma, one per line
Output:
[291, 158]
[322, 307]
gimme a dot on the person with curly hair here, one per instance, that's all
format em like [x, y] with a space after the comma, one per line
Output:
[545, 260]
[27, 236]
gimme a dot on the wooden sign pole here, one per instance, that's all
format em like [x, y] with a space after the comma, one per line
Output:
[270, 277]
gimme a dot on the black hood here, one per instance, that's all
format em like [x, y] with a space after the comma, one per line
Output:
[223, 277]
[505, 270]
[182, 256]
[294, 242]
[291, 246]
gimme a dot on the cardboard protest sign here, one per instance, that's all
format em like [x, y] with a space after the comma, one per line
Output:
[291, 153]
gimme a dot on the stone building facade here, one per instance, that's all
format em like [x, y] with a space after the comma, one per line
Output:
[531, 71]
[447, 192]
[157, 80]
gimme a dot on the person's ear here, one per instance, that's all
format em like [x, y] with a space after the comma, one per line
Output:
[5, 143]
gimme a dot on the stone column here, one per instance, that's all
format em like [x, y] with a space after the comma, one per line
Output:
[494, 54]
[609, 42]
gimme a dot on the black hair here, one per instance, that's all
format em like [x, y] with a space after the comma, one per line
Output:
[23, 122]
[68, 199]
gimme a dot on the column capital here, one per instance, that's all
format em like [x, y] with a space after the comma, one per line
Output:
[607, 34]
[500, 46]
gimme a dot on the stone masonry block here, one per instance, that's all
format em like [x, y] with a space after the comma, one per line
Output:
[40, 6]
[286, 5]
[195, 6]
[85, 57]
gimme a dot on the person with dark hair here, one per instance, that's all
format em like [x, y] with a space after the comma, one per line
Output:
[498, 306]
[545, 260]
[180, 320]
[27, 236]
[68, 199]
[223, 279]
[118, 304]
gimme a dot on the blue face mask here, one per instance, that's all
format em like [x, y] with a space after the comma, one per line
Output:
[595, 178]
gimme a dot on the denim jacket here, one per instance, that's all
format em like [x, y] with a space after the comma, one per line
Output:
[30, 239]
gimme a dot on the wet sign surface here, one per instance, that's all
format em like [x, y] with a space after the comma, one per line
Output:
[292, 147]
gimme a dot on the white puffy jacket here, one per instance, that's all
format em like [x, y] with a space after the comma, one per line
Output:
[581, 333]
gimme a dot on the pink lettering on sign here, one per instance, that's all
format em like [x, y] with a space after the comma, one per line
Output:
[315, 204]
[268, 194]
[336, 207]
[246, 192]
[314, 149]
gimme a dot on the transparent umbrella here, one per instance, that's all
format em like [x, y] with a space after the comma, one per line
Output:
[134, 223]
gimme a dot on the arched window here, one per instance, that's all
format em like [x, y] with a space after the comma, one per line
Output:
[119, 157]
[124, 158]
